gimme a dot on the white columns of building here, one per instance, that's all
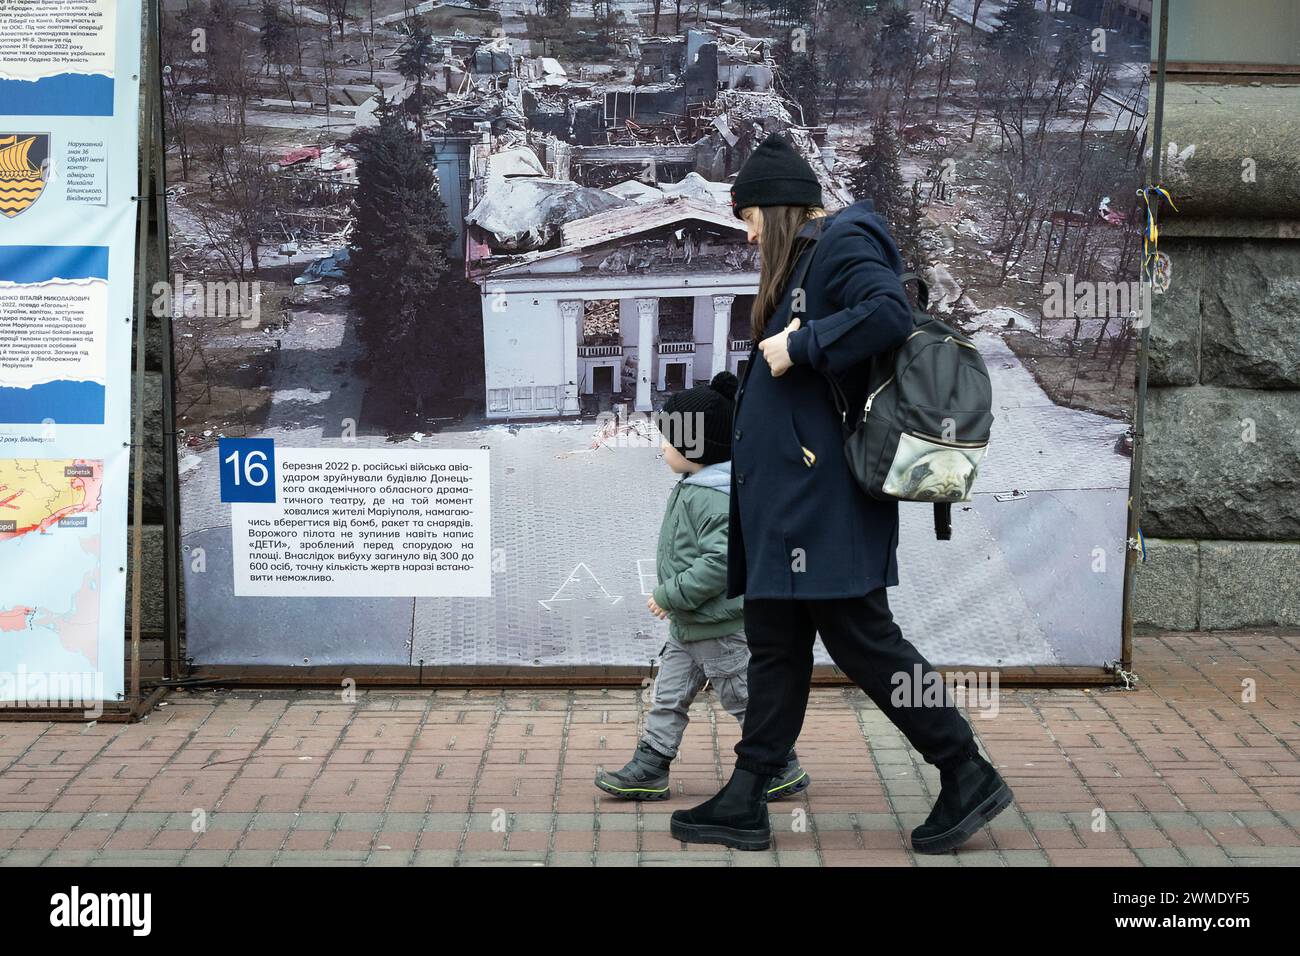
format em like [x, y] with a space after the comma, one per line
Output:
[570, 316]
[721, 331]
[648, 316]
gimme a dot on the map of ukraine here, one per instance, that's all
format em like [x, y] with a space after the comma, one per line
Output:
[36, 493]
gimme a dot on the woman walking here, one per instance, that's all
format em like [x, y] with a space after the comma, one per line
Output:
[810, 552]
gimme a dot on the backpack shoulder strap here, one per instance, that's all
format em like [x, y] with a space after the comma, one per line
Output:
[922, 290]
[943, 521]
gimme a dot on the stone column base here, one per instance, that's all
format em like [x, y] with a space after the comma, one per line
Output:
[1198, 584]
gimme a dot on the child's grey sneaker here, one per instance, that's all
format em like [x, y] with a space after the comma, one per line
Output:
[644, 777]
[793, 779]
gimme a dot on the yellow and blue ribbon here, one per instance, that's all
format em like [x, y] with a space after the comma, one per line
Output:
[1151, 231]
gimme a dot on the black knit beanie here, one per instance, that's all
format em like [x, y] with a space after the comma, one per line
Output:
[710, 409]
[775, 175]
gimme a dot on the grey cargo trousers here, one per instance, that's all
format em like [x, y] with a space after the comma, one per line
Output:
[684, 668]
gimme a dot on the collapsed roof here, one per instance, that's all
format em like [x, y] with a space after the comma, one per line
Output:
[615, 225]
[693, 186]
[526, 212]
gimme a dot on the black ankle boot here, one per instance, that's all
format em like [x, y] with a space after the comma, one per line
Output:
[644, 777]
[970, 795]
[736, 816]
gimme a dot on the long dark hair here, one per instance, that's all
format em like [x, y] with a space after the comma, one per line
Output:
[778, 252]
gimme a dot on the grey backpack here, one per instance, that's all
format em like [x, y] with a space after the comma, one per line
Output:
[924, 427]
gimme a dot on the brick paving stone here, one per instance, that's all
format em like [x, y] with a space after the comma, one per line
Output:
[54, 820]
[319, 857]
[1161, 856]
[979, 857]
[25, 857]
[98, 821]
[219, 840]
[434, 858]
[171, 840]
[1026, 858]
[798, 857]
[1206, 855]
[619, 840]
[1013, 839]
[263, 839]
[84, 839]
[440, 840]
[307, 840]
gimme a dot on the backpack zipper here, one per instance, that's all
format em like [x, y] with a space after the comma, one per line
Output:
[872, 397]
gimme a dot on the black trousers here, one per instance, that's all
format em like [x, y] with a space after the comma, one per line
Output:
[863, 640]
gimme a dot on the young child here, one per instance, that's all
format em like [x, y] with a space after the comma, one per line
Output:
[706, 641]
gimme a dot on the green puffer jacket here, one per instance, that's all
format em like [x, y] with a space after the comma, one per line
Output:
[691, 559]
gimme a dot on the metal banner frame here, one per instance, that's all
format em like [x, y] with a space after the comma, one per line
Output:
[181, 672]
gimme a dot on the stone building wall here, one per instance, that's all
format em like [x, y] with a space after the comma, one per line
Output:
[1222, 469]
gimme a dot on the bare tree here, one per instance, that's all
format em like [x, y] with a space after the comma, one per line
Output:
[917, 53]
[237, 218]
[1012, 114]
[229, 45]
[1067, 65]
[276, 42]
[990, 85]
[848, 47]
[949, 55]
[178, 88]
[1095, 80]
[337, 10]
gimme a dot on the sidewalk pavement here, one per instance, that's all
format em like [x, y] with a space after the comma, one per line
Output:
[1181, 771]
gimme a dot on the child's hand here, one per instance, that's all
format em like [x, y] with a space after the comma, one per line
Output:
[655, 609]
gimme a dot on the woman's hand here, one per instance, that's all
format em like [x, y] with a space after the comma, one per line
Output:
[776, 350]
[655, 609]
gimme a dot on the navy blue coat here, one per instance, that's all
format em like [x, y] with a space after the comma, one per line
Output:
[800, 527]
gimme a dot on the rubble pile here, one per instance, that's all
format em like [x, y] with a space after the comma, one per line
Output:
[754, 106]
[554, 150]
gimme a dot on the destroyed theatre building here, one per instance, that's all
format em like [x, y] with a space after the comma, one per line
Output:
[610, 265]
[635, 299]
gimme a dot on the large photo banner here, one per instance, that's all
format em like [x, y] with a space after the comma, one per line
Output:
[435, 267]
[69, 119]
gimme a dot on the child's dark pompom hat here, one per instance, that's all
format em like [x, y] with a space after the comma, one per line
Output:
[775, 175]
[714, 404]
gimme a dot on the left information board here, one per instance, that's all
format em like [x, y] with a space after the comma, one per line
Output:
[69, 166]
